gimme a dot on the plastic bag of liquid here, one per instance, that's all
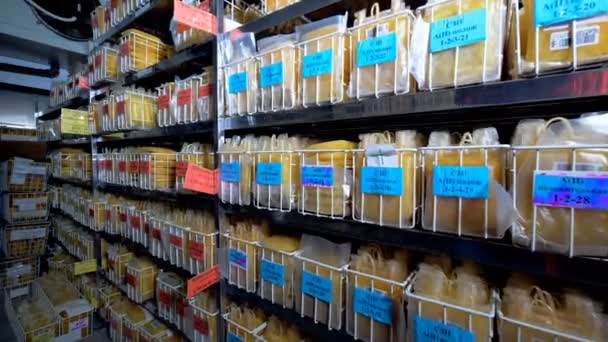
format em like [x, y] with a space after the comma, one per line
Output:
[441, 60]
[277, 171]
[240, 73]
[463, 287]
[553, 220]
[376, 281]
[244, 322]
[326, 178]
[277, 269]
[381, 201]
[243, 255]
[281, 331]
[380, 60]
[325, 60]
[474, 208]
[319, 281]
[279, 63]
[236, 175]
[537, 47]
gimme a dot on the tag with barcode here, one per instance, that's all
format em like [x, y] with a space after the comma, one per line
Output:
[588, 36]
[560, 40]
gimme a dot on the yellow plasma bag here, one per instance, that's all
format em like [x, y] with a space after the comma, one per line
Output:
[388, 150]
[240, 74]
[326, 178]
[539, 47]
[562, 146]
[443, 59]
[235, 158]
[376, 70]
[279, 63]
[462, 209]
[325, 60]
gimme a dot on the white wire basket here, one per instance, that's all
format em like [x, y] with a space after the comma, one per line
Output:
[168, 289]
[319, 297]
[325, 185]
[157, 171]
[383, 319]
[279, 78]
[566, 225]
[235, 177]
[46, 332]
[202, 251]
[277, 276]
[243, 259]
[449, 316]
[384, 203]
[241, 87]
[387, 76]
[203, 323]
[157, 245]
[239, 332]
[475, 213]
[275, 188]
[178, 245]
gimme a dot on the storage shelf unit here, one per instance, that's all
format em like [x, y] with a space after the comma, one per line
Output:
[200, 131]
[59, 181]
[189, 200]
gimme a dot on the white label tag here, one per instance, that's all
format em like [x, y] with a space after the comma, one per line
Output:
[18, 270]
[18, 178]
[79, 324]
[418, 54]
[25, 204]
[588, 36]
[28, 234]
[381, 29]
[18, 292]
[560, 40]
[564, 166]
[382, 155]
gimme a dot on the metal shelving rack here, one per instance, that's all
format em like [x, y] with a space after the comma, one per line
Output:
[500, 103]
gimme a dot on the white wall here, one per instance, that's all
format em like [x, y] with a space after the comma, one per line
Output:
[18, 108]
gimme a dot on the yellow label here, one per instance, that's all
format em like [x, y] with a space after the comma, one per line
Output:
[86, 266]
[104, 263]
[75, 121]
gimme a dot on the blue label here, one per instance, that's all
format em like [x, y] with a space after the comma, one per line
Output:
[428, 330]
[548, 12]
[316, 64]
[237, 83]
[377, 50]
[234, 338]
[237, 258]
[583, 190]
[273, 272]
[269, 173]
[316, 286]
[382, 180]
[461, 181]
[230, 172]
[318, 176]
[459, 30]
[271, 74]
[373, 305]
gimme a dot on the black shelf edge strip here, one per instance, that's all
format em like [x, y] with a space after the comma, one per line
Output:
[318, 331]
[555, 89]
[201, 130]
[78, 183]
[55, 111]
[495, 253]
[189, 200]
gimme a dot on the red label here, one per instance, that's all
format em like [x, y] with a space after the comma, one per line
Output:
[114, 4]
[83, 82]
[122, 166]
[123, 217]
[204, 91]
[180, 168]
[181, 307]
[91, 213]
[194, 17]
[120, 107]
[176, 241]
[97, 60]
[134, 166]
[109, 164]
[135, 222]
[108, 214]
[197, 250]
[91, 68]
[203, 281]
[164, 297]
[127, 333]
[201, 179]
[146, 228]
[131, 280]
[156, 233]
[201, 325]
[163, 101]
[114, 324]
[144, 168]
[124, 49]
[105, 110]
[184, 97]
